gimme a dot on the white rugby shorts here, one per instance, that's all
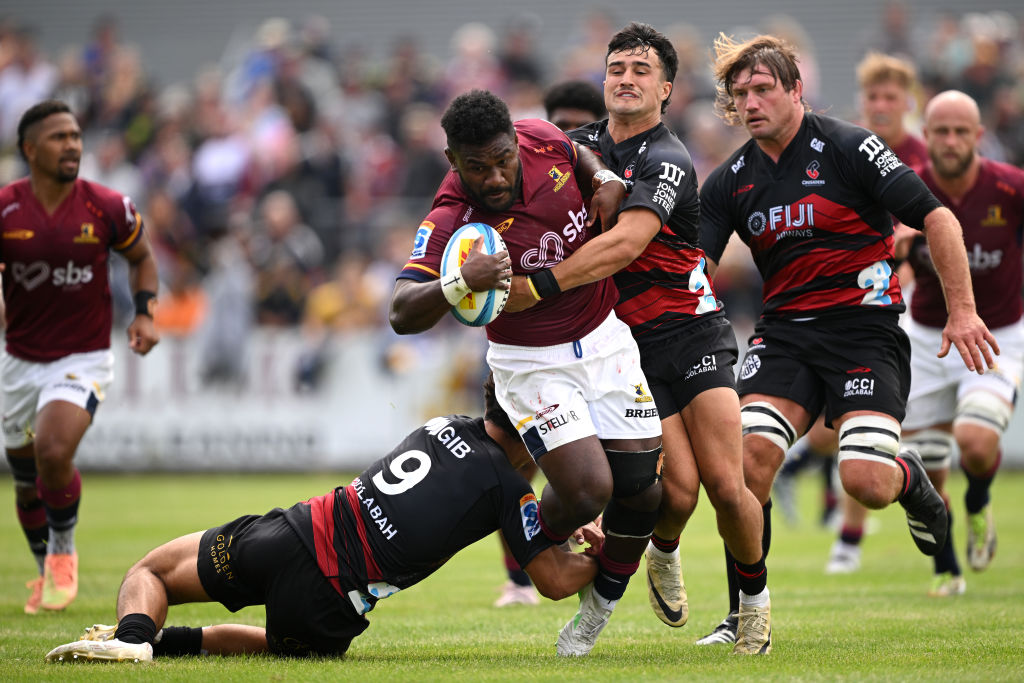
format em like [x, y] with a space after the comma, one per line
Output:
[938, 384]
[80, 378]
[566, 392]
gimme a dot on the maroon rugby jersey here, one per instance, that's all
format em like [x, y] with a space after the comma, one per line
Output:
[667, 286]
[56, 288]
[992, 216]
[543, 227]
[817, 222]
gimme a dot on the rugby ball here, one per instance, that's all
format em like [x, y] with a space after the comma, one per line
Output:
[476, 308]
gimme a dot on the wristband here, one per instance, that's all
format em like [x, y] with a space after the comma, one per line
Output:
[454, 287]
[606, 175]
[543, 282]
[145, 302]
[533, 289]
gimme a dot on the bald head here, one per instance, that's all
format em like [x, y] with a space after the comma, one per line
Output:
[952, 130]
[953, 102]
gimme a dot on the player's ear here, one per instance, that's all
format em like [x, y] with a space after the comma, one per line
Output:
[450, 156]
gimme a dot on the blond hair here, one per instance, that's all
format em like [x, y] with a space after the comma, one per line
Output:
[878, 68]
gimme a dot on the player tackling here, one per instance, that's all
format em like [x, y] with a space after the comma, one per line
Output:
[58, 231]
[322, 564]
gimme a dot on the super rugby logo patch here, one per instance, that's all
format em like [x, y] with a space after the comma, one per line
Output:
[529, 513]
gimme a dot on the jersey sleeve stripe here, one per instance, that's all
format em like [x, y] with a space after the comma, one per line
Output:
[131, 239]
[425, 269]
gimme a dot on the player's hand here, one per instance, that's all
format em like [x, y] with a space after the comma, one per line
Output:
[592, 534]
[483, 272]
[142, 335]
[972, 339]
[521, 297]
[605, 204]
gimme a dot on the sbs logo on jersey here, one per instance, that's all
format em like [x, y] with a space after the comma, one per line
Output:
[38, 272]
[529, 513]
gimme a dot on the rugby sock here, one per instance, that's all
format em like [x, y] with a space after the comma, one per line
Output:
[734, 582]
[136, 628]
[612, 578]
[945, 560]
[663, 546]
[547, 531]
[177, 641]
[977, 496]
[752, 578]
[515, 573]
[766, 529]
[62, 513]
[759, 599]
[831, 500]
[851, 535]
[32, 517]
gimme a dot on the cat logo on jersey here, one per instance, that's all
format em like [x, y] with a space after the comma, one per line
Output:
[642, 396]
[529, 513]
[559, 177]
[87, 235]
[995, 217]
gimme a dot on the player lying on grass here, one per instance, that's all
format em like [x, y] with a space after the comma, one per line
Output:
[320, 565]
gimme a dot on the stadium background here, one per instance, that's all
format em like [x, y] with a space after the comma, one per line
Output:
[281, 210]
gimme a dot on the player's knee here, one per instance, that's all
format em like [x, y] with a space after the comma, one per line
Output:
[52, 454]
[934, 446]
[870, 438]
[622, 519]
[983, 409]
[725, 492]
[635, 474]
[766, 429]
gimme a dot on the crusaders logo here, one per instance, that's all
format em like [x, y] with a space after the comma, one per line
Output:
[812, 170]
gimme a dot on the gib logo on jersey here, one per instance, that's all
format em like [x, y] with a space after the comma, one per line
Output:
[785, 220]
[529, 513]
[38, 272]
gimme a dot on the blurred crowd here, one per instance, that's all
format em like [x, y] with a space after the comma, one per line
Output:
[282, 187]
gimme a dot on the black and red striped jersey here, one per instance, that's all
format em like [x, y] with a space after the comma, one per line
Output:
[447, 485]
[818, 222]
[991, 214]
[666, 286]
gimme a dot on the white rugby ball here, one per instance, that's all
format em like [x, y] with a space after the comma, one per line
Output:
[476, 308]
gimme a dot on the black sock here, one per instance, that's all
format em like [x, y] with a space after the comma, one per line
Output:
[176, 641]
[766, 529]
[136, 628]
[977, 496]
[734, 582]
[801, 458]
[752, 578]
[945, 561]
[664, 545]
[910, 477]
[519, 577]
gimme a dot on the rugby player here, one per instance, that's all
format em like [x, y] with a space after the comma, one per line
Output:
[811, 196]
[58, 232]
[322, 564]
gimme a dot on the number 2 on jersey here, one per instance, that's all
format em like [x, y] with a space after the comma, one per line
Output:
[875, 278]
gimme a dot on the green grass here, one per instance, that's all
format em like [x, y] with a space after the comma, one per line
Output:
[875, 625]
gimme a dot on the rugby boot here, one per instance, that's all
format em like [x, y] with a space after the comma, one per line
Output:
[981, 539]
[754, 630]
[946, 585]
[111, 650]
[36, 598]
[60, 580]
[725, 632]
[665, 588]
[578, 636]
[926, 513]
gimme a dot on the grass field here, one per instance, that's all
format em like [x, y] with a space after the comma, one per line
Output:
[875, 625]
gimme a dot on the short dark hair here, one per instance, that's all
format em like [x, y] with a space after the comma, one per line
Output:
[476, 118]
[575, 95]
[639, 38]
[34, 115]
[493, 412]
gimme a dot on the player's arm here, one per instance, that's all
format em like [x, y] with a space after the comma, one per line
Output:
[418, 306]
[558, 574]
[144, 281]
[964, 328]
[606, 188]
[910, 200]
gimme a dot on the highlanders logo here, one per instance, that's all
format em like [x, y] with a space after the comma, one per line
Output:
[559, 177]
[87, 235]
[642, 396]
